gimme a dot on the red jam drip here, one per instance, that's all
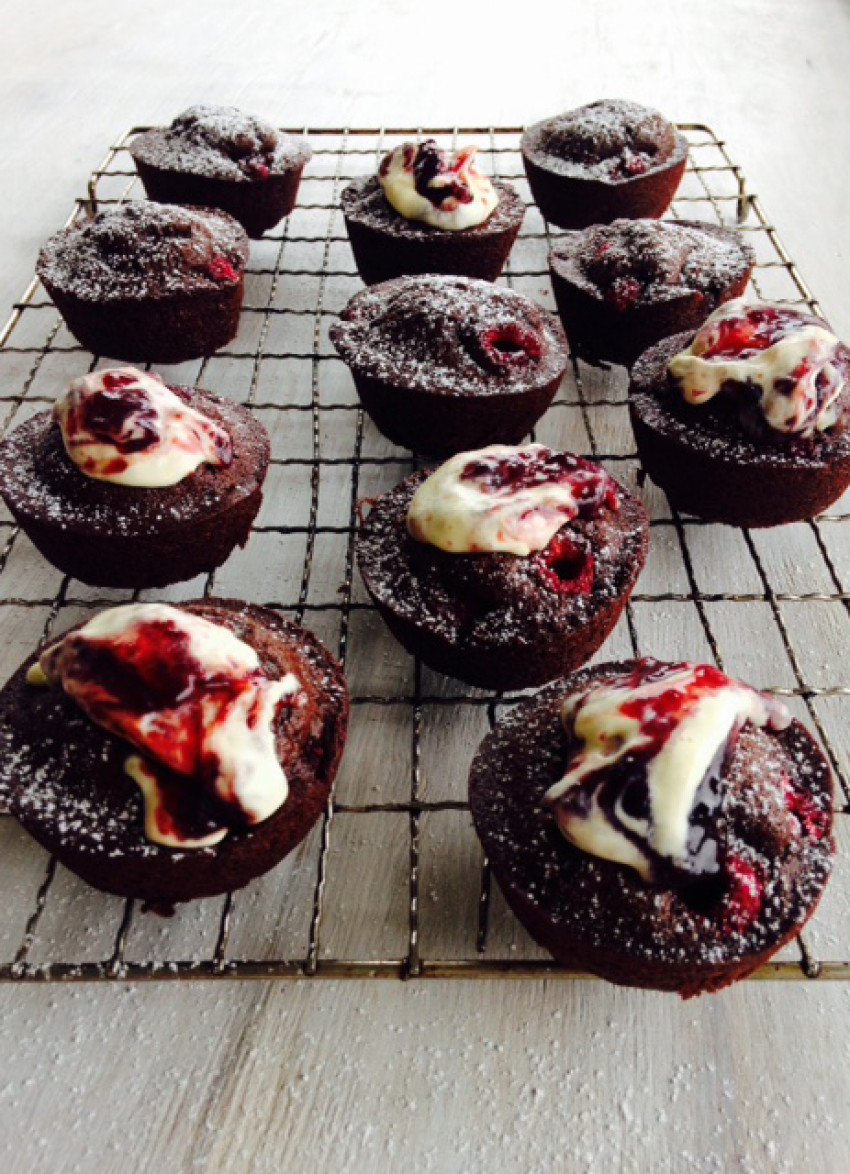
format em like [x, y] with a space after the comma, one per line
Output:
[427, 161]
[625, 783]
[752, 332]
[119, 682]
[592, 487]
[120, 415]
[660, 715]
[565, 567]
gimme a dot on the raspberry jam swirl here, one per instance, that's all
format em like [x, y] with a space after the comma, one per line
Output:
[507, 498]
[193, 699]
[441, 188]
[127, 427]
[643, 783]
[784, 371]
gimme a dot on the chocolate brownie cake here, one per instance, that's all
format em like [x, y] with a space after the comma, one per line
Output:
[623, 286]
[660, 825]
[171, 753]
[443, 364]
[149, 282]
[218, 157]
[129, 483]
[609, 159]
[430, 211]
[748, 421]
[507, 566]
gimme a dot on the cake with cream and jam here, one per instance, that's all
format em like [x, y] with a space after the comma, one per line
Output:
[168, 753]
[430, 210]
[506, 566]
[660, 825]
[443, 363]
[746, 421]
[149, 282]
[130, 483]
[220, 157]
[612, 158]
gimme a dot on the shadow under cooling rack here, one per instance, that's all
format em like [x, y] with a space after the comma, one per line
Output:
[392, 883]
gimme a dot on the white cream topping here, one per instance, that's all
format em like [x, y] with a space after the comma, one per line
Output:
[128, 428]
[397, 177]
[236, 725]
[157, 825]
[787, 373]
[458, 514]
[608, 735]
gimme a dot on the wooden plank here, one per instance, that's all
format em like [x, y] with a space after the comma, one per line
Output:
[366, 892]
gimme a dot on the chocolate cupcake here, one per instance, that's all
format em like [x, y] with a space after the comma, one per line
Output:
[149, 282]
[623, 286]
[507, 566]
[659, 825]
[430, 211]
[602, 161]
[129, 483]
[174, 753]
[748, 421]
[218, 157]
[444, 364]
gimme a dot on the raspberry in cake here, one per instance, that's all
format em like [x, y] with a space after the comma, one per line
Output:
[149, 282]
[443, 364]
[505, 567]
[660, 825]
[130, 483]
[623, 286]
[169, 753]
[220, 157]
[609, 159]
[746, 422]
[430, 211]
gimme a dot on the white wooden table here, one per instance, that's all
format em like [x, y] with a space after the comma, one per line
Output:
[436, 1076]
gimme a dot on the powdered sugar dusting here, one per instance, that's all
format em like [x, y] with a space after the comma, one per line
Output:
[221, 142]
[144, 249]
[714, 430]
[640, 262]
[490, 601]
[364, 202]
[607, 907]
[443, 334]
[41, 483]
[612, 139]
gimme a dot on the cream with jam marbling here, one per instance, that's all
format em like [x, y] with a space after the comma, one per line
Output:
[773, 357]
[127, 427]
[508, 498]
[440, 188]
[643, 780]
[194, 700]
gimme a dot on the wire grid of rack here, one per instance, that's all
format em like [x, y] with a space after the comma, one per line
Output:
[392, 884]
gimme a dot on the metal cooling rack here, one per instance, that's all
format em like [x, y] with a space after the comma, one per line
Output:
[300, 276]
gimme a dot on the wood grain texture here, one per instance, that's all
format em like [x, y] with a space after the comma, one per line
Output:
[437, 1077]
